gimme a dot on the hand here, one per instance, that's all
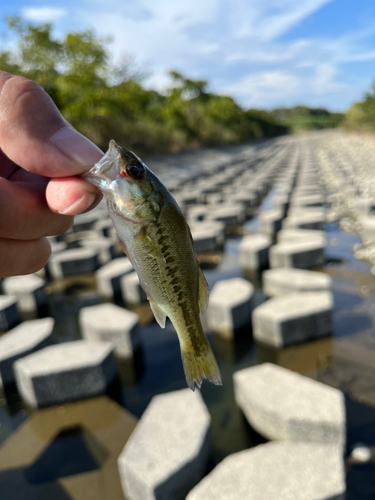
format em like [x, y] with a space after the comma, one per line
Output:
[40, 153]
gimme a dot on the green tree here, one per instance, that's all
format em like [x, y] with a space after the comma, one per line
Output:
[106, 102]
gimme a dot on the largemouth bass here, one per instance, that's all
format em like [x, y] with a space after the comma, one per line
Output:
[158, 242]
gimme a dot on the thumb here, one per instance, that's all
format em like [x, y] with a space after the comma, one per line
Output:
[35, 136]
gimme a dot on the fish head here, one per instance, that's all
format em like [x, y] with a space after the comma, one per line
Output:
[125, 181]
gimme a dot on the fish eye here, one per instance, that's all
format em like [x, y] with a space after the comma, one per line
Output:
[135, 170]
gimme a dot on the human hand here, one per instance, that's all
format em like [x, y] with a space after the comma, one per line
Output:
[40, 153]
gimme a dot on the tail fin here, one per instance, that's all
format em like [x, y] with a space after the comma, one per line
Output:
[200, 364]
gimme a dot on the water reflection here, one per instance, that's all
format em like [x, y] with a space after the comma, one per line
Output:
[307, 357]
[67, 452]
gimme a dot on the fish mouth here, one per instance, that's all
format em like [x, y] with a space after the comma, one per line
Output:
[107, 168]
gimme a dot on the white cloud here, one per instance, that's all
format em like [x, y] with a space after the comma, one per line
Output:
[234, 44]
[257, 89]
[266, 20]
[42, 14]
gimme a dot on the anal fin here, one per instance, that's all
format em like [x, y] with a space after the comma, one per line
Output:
[160, 316]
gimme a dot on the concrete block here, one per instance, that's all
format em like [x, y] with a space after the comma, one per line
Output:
[103, 226]
[304, 221]
[29, 291]
[108, 277]
[302, 255]
[312, 200]
[286, 406]
[9, 312]
[296, 211]
[74, 261]
[104, 246]
[213, 198]
[166, 455]
[207, 238]
[197, 214]
[230, 306]
[85, 222]
[232, 214]
[65, 372]
[247, 198]
[276, 471]
[111, 323]
[58, 246]
[270, 221]
[293, 318]
[364, 205]
[281, 204]
[254, 251]
[21, 341]
[188, 197]
[308, 235]
[282, 281]
[131, 290]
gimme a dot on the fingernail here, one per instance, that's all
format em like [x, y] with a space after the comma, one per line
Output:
[76, 146]
[80, 205]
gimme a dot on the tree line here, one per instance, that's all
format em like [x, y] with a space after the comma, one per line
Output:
[361, 115]
[106, 101]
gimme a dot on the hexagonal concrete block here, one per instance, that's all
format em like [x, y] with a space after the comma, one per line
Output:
[21, 341]
[108, 277]
[312, 200]
[207, 239]
[299, 254]
[232, 214]
[230, 306]
[28, 289]
[284, 405]
[9, 312]
[85, 222]
[74, 261]
[103, 226]
[246, 197]
[270, 221]
[296, 211]
[282, 281]
[65, 372]
[298, 235]
[105, 247]
[111, 323]
[254, 251]
[276, 471]
[304, 221]
[293, 318]
[166, 456]
[131, 289]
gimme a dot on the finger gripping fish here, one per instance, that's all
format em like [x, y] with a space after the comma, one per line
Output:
[158, 242]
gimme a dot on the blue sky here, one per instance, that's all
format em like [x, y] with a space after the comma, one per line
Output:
[264, 53]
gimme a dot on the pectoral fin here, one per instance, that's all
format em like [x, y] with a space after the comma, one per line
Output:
[203, 291]
[160, 316]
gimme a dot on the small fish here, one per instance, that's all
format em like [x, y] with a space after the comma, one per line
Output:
[158, 242]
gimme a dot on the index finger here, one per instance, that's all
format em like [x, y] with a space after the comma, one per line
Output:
[34, 134]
